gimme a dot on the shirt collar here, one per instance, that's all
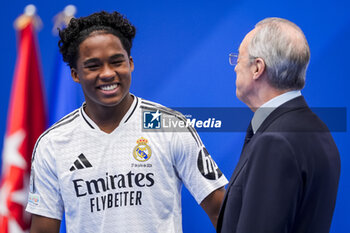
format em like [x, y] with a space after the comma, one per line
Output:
[267, 108]
[126, 117]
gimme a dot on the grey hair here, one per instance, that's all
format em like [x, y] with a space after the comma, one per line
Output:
[283, 47]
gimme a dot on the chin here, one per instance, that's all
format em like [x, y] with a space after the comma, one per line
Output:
[238, 95]
[116, 101]
[112, 103]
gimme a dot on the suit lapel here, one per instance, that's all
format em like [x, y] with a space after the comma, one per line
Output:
[249, 135]
[242, 160]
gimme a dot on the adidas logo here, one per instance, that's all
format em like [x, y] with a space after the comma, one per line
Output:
[80, 163]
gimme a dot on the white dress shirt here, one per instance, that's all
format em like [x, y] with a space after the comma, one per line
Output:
[265, 110]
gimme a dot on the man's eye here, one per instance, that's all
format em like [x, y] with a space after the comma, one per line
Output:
[91, 66]
[117, 62]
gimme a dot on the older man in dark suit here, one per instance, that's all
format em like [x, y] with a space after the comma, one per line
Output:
[287, 177]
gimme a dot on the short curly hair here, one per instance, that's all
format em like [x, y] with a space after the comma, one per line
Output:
[80, 28]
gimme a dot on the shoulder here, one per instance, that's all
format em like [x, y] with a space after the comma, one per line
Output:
[64, 126]
[64, 123]
[150, 105]
[173, 122]
[298, 120]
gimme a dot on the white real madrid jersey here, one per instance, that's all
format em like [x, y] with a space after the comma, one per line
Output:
[127, 181]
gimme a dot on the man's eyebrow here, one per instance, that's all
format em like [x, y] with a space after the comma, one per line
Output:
[91, 60]
[118, 55]
[96, 60]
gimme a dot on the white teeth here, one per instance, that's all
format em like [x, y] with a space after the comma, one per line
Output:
[109, 87]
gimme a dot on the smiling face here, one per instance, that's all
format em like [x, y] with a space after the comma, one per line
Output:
[104, 71]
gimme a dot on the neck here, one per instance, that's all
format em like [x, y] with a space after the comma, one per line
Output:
[263, 95]
[107, 118]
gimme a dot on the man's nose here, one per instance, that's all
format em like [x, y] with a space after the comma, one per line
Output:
[107, 72]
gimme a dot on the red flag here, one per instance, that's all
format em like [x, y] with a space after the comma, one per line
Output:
[26, 121]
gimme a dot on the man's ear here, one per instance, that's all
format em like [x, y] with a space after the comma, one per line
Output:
[131, 62]
[259, 68]
[74, 74]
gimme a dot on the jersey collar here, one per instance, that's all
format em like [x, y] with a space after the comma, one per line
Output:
[91, 124]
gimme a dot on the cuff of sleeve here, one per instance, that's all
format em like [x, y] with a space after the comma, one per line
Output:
[43, 212]
[208, 189]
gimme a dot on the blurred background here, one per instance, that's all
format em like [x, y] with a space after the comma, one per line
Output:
[181, 60]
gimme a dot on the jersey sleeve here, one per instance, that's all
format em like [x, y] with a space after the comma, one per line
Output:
[44, 196]
[195, 166]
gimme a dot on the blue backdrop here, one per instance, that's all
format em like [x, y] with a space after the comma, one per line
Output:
[181, 60]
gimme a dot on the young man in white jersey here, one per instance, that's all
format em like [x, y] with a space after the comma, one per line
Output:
[98, 165]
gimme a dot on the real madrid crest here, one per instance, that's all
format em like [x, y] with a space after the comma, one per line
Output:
[142, 152]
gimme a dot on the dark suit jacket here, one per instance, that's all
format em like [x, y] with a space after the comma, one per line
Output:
[287, 177]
